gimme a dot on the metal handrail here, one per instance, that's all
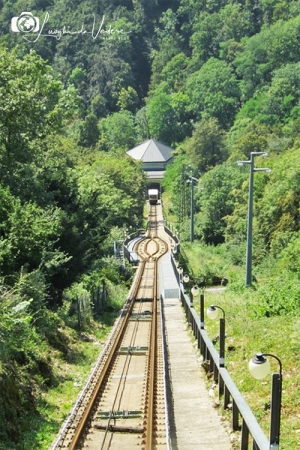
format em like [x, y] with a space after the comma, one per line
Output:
[227, 387]
[245, 411]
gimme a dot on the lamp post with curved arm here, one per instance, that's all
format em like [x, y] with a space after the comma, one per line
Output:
[213, 313]
[194, 293]
[259, 367]
[180, 272]
[186, 280]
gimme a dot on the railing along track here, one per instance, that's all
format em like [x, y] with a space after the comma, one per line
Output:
[242, 418]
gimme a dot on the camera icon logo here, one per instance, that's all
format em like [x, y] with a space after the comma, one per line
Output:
[25, 23]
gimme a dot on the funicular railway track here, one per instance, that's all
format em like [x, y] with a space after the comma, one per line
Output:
[123, 405]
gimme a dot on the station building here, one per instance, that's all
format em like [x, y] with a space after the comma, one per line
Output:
[155, 156]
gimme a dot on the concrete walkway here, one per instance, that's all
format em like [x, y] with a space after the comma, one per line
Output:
[195, 423]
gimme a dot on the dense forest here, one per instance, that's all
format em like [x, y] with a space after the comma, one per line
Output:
[214, 79]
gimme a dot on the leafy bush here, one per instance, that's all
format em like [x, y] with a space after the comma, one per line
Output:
[278, 296]
[24, 363]
[290, 256]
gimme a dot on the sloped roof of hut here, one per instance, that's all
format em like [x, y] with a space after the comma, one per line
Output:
[151, 151]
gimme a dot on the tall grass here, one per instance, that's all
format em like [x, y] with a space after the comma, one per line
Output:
[250, 328]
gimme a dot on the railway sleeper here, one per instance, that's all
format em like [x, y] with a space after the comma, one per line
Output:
[123, 414]
[133, 351]
[120, 429]
[142, 314]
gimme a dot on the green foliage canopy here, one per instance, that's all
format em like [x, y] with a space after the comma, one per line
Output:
[213, 91]
[215, 201]
[207, 147]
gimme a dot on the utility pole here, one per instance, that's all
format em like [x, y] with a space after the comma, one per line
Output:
[250, 211]
[191, 180]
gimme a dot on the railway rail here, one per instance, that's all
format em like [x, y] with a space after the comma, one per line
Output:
[123, 405]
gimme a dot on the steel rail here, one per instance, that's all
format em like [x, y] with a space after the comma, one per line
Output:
[152, 353]
[125, 370]
[152, 365]
[87, 412]
[148, 236]
[84, 406]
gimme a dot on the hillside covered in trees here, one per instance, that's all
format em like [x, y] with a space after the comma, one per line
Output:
[215, 79]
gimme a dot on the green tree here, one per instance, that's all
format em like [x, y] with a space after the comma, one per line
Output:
[128, 99]
[88, 131]
[206, 147]
[270, 49]
[213, 92]
[247, 136]
[142, 125]
[29, 231]
[278, 210]
[109, 73]
[277, 102]
[117, 131]
[215, 201]
[212, 30]
[175, 72]
[168, 45]
[98, 106]
[176, 186]
[122, 170]
[167, 115]
[33, 104]
[282, 97]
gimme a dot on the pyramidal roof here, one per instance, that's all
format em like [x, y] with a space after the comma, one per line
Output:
[151, 151]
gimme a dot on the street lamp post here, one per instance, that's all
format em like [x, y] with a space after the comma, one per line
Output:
[201, 342]
[180, 272]
[250, 211]
[259, 367]
[202, 309]
[191, 180]
[194, 293]
[186, 279]
[212, 313]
